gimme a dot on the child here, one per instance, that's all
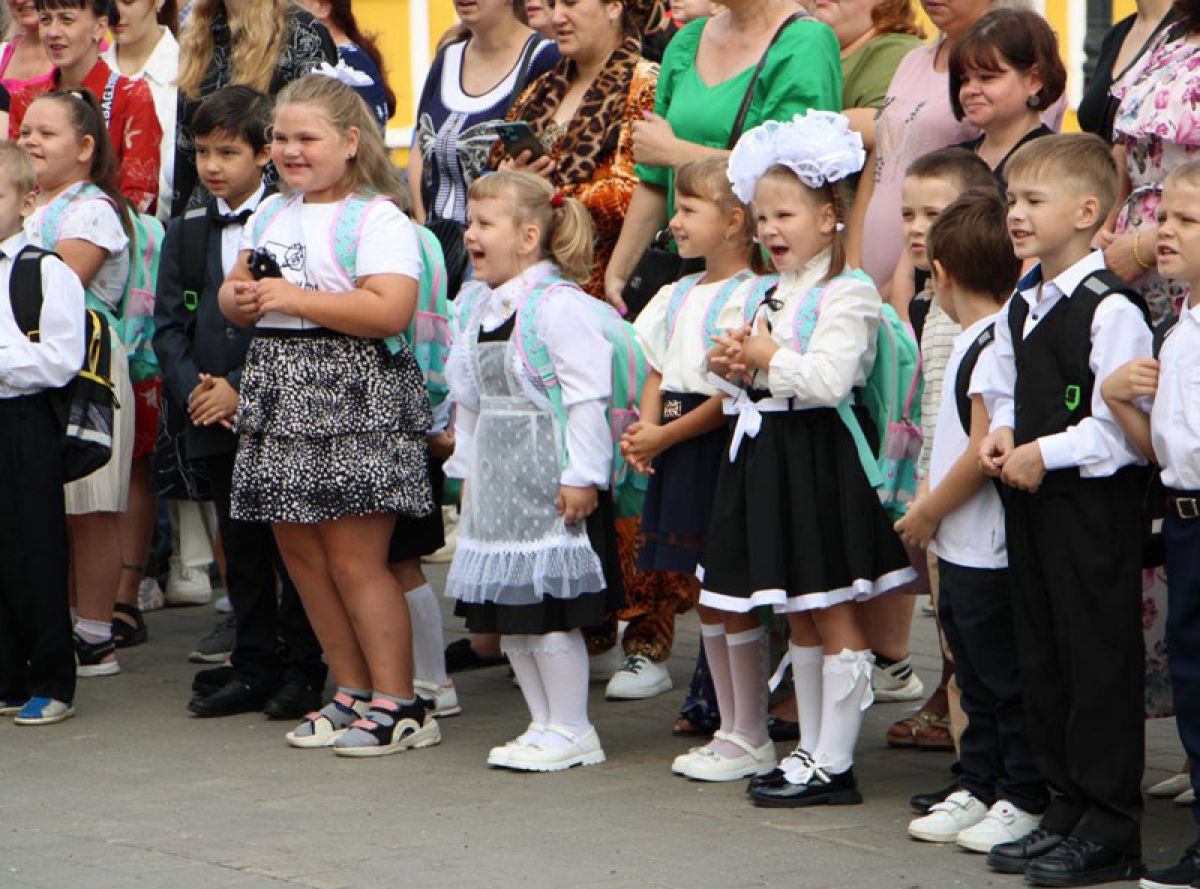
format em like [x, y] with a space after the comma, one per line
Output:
[1004, 72]
[1167, 436]
[682, 436]
[1073, 517]
[796, 523]
[83, 218]
[536, 557]
[202, 369]
[37, 669]
[331, 420]
[960, 520]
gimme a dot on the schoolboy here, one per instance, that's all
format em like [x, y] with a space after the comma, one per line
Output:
[202, 357]
[1168, 437]
[960, 519]
[1073, 515]
[37, 654]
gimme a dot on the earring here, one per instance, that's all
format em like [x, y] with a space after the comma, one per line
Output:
[1033, 102]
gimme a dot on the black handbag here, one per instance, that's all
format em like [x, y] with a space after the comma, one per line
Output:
[659, 265]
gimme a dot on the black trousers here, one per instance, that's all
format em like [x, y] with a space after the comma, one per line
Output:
[37, 654]
[975, 610]
[275, 641]
[1075, 564]
[1182, 537]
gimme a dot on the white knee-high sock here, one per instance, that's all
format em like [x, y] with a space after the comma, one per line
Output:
[562, 661]
[716, 652]
[520, 657]
[806, 678]
[425, 614]
[748, 672]
[845, 694]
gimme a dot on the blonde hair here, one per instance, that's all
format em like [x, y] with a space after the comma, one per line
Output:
[831, 193]
[1187, 172]
[257, 43]
[1082, 159]
[15, 161]
[371, 169]
[708, 180]
[567, 235]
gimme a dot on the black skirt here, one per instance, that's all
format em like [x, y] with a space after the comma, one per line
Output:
[679, 498]
[417, 536]
[555, 615]
[796, 524]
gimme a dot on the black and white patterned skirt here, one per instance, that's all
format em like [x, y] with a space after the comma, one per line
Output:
[329, 426]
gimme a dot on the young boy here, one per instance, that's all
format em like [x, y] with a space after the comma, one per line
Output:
[37, 654]
[1168, 436]
[202, 357]
[960, 519]
[1073, 515]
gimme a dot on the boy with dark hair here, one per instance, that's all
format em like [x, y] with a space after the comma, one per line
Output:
[1073, 515]
[276, 660]
[960, 519]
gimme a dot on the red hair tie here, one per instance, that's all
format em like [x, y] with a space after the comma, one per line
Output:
[556, 200]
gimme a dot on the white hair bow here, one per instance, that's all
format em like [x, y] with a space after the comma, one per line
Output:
[344, 73]
[819, 147]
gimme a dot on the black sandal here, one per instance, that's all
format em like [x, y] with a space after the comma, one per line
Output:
[125, 634]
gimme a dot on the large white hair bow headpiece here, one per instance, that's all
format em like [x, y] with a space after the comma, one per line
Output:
[819, 147]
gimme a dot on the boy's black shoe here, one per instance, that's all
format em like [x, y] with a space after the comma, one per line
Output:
[294, 699]
[212, 680]
[1079, 862]
[821, 789]
[923, 802]
[781, 730]
[1183, 875]
[461, 656]
[1014, 857]
[236, 697]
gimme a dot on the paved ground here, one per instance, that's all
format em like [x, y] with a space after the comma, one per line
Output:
[134, 793]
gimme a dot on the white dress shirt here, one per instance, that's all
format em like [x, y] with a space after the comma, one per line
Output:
[27, 368]
[231, 235]
[1175, 418]
[1096, 444]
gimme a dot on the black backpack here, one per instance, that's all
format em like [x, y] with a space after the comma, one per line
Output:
[85, 405]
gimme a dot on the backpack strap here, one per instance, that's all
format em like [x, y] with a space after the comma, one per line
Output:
[711, 331]
[347, 228]
[56, 210]
[962, 381]
[106, 101]
[679, 293]
[25, 290]
[1103, 283]
[762, 289]
[194, 232]
[267, 213]
[1164, 330]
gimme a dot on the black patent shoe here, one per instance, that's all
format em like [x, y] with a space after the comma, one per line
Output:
[236, 697]
[1014, 857]
[923, 802]
[1079, 862]
[777, 776]
[295, 699]
[821, 789]
[781, 730]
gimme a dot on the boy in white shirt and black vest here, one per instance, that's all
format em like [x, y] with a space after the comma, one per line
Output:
[1169, 437]
[37, 655]
[1076, 485]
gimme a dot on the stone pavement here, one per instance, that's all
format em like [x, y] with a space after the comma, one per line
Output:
[135, 793]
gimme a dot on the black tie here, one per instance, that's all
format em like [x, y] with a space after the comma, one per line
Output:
[221, 220]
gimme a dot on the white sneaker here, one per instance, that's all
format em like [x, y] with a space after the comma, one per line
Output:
[947, 819]
[1170, 787]
[150, 595]
[446, 553]
[1186, 798]
[637, 679]
[896, 683]
[187, 586]
[1004, 823]
[582, 750]
[444, 697]
[498, 756]
[223, 605]
[705, 764]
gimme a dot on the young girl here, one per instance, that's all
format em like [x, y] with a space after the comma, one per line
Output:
[536, 557]
[83, 218]
[681, 436]
[1004, 73]
[332, 419]
[796, 523]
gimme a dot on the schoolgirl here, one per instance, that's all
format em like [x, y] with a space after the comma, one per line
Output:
[530, 374]
[332, 418]
[84, 218]
[681, 435]
[796, 524]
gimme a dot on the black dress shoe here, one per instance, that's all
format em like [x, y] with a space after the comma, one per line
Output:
[212, 680]
[1014, 857]
[295, 699]
[235, 697]
[461, 656]
[782, 729]
[822, 789]
[1079, 862]
[777, 776]
[923, 802]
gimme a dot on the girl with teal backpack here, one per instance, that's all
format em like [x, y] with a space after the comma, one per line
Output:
[543, 378]
[797, 522]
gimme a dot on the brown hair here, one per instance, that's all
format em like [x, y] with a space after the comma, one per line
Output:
[1018, 38]
[15, 161]
[567, 234]
[1081, 158]
[896, 17]
[959, 165]
[708, 180]
[831, 193]
[342, 17]
[970, 240]
[1187, 17]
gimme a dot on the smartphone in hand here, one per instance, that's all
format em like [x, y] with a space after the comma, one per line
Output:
[518, 136]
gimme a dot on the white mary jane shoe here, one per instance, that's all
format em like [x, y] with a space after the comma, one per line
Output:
[581, 750]
[498, 756]
[705, 764]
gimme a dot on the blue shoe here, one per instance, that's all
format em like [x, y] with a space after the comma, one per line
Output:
[44, 711]
[12, 707]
